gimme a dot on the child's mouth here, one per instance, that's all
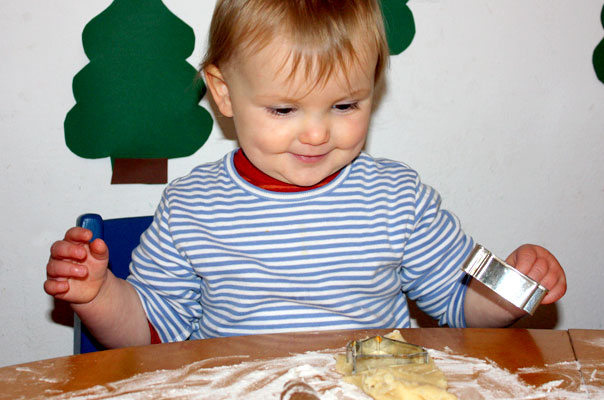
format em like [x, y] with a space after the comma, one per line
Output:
[309, 159]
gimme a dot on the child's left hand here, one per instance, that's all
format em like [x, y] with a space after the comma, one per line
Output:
[540, 265]
[485, 309]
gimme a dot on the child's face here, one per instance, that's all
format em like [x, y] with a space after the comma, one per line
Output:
[288, 131]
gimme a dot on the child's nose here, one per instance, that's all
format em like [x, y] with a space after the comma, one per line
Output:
[315, 132]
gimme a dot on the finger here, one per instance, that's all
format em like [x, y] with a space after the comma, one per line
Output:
[556, 292]
[78, 235]
[539, 270]
[55, 287]
[63, 249]
[548, 272]
[99, 250]
[522, 258]
[65, 269]
[541, 265]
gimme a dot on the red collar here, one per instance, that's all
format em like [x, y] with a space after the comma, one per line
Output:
[253, 175]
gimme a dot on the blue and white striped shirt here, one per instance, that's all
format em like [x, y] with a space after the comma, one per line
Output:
[223, 257]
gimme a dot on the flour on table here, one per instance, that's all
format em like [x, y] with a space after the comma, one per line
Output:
[468, 378]
[40, 374]
[262, 380]
[596, 377]
[598, 342]
[474, 378]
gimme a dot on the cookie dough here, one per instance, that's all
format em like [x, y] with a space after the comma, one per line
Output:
[398, 382]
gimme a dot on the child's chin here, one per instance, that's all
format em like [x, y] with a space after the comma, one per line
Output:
[307, 182]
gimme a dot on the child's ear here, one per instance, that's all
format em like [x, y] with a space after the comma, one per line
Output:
[219, 89]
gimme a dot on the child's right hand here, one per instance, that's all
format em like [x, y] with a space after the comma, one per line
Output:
[77, 268]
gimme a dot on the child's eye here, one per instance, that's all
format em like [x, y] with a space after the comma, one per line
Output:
[281, 111]
[343, 107]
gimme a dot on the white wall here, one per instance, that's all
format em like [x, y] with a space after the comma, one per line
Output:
[495, 103]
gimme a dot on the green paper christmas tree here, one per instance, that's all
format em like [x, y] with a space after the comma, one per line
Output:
[400, 26]
[138, 98]
[598, 57]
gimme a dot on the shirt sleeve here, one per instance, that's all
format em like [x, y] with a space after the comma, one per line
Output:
[167, 285]
[432, 260]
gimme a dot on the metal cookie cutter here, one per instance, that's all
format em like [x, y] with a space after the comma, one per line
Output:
[505, 280]
[379, 351]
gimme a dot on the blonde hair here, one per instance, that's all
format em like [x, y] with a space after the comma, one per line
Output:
[324, 35]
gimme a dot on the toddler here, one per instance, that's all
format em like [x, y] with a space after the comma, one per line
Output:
[298, 229]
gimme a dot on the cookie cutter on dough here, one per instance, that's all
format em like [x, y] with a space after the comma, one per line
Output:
[505, 280]
[380, 351]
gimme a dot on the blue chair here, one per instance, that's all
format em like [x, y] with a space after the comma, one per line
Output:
[122, 235]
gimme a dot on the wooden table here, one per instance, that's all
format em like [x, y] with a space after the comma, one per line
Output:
[589, 352]
[562, 361]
